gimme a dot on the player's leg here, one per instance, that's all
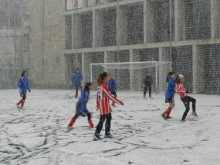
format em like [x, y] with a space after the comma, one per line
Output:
[186, 104]
[99, 127]
[77, 89]
[145, 91]
[90, 120]
[108, 126]
[193, 100]
[73, 119]
[166, 113]
[172, 105]
[24, 98]
[149, 91]
[19, 102]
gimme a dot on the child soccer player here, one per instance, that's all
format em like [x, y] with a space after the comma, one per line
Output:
[103, 97]
[81, 109]
[169, 95]
[147, 83]
[183, 96]
[77, 79]
[23, 85]
[112, 87]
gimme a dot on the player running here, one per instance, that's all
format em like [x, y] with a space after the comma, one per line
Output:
[81, 108]
[169, 95]
[23, 85]
[183, 96]
[103, 97]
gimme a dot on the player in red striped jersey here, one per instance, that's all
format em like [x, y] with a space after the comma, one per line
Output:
[183, 96]
[103, 97]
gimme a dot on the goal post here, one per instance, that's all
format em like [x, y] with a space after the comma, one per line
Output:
[129, 75]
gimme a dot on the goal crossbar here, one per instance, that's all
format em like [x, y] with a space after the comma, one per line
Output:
[138, 65]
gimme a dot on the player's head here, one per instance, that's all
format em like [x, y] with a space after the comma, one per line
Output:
[102, 77]
[24, 73]
[88, 86]
[148, 73]
[77, 70]
[171, 75]
[181, 77]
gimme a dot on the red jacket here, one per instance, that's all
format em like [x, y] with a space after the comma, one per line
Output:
[180, 90]
[103, 97]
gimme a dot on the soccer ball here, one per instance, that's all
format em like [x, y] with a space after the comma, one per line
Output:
[191, 117]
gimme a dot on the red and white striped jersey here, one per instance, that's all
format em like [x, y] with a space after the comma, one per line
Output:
[103, 97]
[180, 90]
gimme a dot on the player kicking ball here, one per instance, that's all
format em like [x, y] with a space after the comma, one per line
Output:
[183, 96]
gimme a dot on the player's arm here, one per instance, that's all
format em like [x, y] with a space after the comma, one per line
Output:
[29, 90]
[109, 95]
[98, 101]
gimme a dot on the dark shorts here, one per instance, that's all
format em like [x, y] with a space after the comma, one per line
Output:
[23, 95]
[169, 100]
[80, 113]
[114, 93]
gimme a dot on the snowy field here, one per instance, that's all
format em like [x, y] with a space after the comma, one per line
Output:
[37, 135]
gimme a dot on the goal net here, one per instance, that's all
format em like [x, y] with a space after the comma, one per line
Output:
[130, 75]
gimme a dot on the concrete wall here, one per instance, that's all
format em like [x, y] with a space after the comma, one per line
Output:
[14, 38]
[47, 39]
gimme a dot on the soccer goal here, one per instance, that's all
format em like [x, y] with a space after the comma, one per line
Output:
[130, 75]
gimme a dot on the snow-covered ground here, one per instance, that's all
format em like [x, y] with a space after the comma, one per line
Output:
[37, 135]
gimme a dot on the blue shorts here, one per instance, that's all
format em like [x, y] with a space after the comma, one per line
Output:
[169, 100]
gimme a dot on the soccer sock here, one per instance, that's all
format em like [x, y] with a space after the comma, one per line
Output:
[90, 123]
[76, 95]
[19, 102]
[72, 122]
[22, 103]
[168, 111]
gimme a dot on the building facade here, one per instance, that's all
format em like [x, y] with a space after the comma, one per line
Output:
[184, 32]
[14, 41]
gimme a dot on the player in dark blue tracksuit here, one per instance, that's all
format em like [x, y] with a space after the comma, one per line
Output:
[112, 87]
[77, 79]
[147, 83]
[23, 85]
[81, 108]
[169, 95]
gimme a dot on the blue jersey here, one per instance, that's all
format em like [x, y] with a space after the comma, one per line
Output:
[170, 89]
[111, 85]
[82, 102]
[23, 85]
[77, 78]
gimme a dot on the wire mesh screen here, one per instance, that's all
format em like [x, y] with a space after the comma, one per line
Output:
[130, 75]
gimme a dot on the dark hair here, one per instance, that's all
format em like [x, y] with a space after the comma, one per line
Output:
[178, 80]
[87, 85]
[23, 73]
[101, 77]
[168, 76]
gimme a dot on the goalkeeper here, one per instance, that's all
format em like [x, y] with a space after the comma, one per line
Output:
[147, 83]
